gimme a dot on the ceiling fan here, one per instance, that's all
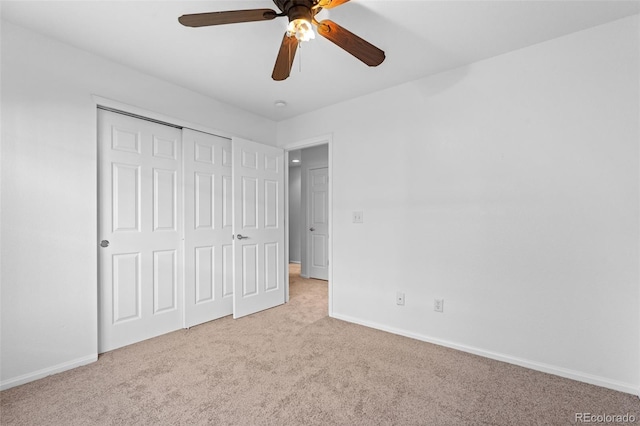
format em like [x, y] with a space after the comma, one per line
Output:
[301, 15]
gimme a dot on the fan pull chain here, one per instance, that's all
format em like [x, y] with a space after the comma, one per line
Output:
[300, 57]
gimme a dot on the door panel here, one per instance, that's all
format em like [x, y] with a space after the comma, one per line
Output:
[249, 201]
[271, 204]
[227, 270]
[205, 258]
[204, 196]
[258, 191]
[271, 265]
[227, 202]
[249, 269]
[208, 231]
[318, 223]
[319, 251]
[139, 191]
[126, 197]
[165, 280]
[165, 200]
[126, 287]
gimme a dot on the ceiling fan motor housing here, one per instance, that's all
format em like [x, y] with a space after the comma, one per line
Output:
[296, 9]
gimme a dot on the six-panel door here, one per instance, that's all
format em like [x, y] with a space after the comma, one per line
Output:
[208, 227]
[258, 193]
[318, 223]
[140, 222]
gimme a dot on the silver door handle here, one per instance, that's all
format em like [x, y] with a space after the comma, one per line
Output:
[312, 229]
[104, 243]
[241, 237]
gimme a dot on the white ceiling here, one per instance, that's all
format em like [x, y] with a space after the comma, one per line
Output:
[233, 63]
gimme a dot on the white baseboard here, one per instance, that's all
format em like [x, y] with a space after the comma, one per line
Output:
[30, 377]
[297, 262]
[545, 368]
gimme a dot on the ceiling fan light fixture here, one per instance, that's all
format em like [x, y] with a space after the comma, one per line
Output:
[300, 26]
[301, 29]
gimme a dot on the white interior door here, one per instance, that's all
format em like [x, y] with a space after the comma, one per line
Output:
[140, 258]
[258, 193]
[318, 223]
[208, 227]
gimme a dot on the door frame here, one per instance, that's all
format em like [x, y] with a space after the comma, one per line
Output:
[308, 143]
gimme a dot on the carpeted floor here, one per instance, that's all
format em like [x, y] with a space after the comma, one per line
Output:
[293, 365]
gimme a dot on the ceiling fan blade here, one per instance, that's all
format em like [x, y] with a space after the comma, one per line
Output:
[284, 62]
[329, 4]
[360, 48]
[228, 17]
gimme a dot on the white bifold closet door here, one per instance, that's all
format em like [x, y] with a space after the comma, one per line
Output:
[170, 201]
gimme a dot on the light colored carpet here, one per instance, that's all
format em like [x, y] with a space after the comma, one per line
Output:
[293, 365]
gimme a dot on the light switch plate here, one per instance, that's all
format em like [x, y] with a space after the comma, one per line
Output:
[357, 217]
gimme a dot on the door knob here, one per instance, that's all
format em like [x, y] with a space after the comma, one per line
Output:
[312, 229]
[241, 237]
[104, 243]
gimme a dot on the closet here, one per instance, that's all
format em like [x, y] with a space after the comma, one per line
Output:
[190, 228]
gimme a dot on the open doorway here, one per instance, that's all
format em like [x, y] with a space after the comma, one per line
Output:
[309, 211]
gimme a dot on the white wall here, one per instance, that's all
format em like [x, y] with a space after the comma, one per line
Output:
[510, 189]
[294, 213]
[48, 194]
[316, 156]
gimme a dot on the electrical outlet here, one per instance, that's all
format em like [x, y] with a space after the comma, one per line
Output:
[357, 217]
[400, 298]
[438, 305]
